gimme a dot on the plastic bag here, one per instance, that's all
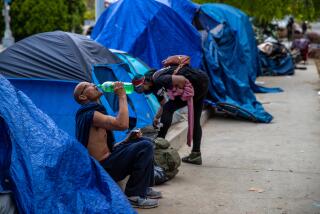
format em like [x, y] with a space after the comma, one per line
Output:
[159, 175]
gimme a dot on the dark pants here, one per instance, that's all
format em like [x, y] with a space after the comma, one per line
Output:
[135, 159]
[201, 89]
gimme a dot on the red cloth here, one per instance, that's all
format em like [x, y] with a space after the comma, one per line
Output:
[186, 94]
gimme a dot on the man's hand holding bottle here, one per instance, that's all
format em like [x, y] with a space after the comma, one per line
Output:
[119, 89]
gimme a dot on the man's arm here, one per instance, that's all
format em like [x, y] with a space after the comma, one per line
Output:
[121, 122]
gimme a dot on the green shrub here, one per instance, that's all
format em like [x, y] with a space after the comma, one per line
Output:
[29, 17]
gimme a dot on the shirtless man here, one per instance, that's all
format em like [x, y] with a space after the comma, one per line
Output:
[135, 158]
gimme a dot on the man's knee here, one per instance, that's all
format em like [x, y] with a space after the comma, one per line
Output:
[145, 145]
[148, 145]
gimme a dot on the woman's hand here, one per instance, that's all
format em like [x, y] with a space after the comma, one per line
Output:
[156, 121]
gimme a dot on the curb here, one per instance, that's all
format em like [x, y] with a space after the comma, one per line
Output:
[177, 134]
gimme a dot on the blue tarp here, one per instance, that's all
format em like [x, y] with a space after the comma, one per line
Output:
[213, 14]
[231, 61]
[149, 30]
[276, 66]
[226, 67]
[49, 171]
[185, 8]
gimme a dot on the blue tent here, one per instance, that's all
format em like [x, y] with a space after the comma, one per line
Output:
[47, 67]
[149, 30]
[47, 170]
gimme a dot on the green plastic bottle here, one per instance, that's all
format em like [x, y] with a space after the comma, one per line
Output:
[108, 87]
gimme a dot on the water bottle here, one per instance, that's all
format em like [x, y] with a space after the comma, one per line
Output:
[108, 87]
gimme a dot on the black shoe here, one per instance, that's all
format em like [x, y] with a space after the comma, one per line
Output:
[193, 158]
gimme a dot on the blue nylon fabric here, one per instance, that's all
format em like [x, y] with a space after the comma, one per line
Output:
[276, 67]
[149, 30]
[54, 98]
[223, 54]
[213, 14]
[138, 67]
[185, 8]
[50, 171]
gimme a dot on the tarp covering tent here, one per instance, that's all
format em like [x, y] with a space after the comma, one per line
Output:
[47, 67]
[231, 87]
[185, 8]
[149, 30]
[237, 20]
[231, 60]
[232, 68]
[49, 171]
[211, 15]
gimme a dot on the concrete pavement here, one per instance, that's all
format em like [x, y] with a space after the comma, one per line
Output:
[278, 162]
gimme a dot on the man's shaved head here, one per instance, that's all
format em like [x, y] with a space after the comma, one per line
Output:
[85, 92]
[78, 89]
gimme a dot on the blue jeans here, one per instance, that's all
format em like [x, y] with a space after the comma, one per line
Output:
[134, 158]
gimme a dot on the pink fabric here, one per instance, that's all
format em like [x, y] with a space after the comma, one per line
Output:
[186, 94]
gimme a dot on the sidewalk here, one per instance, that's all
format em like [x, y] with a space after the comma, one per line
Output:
[278, 162]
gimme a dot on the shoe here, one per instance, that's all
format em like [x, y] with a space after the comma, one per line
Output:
[143, 203]
[151, 193]
[193, 158]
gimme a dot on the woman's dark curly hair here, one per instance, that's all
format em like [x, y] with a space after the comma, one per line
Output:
[148, 75]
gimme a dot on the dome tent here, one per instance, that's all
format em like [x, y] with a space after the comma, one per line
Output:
[47, 66]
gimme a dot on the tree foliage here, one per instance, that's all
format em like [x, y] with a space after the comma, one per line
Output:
[29, 17]
[90, 10]
[266, 10]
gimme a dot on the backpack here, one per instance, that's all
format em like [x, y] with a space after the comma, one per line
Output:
[179, 60]
[166, 157]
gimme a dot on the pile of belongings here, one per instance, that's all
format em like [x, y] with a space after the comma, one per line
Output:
[275, 59]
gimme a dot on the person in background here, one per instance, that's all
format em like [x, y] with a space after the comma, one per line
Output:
[302, 45]
[131, 157]
[304, 27]
[290, 28]
[172, 79]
